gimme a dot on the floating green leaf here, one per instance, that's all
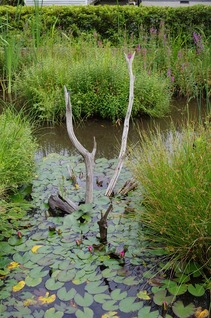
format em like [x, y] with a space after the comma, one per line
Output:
[101, 298]
[129, 305]
[182, 311]
[53, 313]
[117, 294]
[146, 313]
[197, 290]
[110, 305]
[94, 288]
[177, 289]
[87, 313]
[51, 284]
[32, 282]
[161, 296]
[84, 301]
[143, 295]
[65, 295]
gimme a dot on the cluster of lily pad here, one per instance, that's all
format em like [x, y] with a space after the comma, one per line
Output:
[58, 267]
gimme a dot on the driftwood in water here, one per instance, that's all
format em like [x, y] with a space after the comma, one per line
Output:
[128, 186]
[103, 226]
[129, 58]
[59, 206]
[88, 156]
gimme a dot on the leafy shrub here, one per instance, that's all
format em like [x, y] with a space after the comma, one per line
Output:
[17, 149]
[174, 173]
[111, 22]
[98, 80]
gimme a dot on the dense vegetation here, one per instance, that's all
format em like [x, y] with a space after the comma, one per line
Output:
[83, 48]
[38, 62]
[174, 172]
[17, 149]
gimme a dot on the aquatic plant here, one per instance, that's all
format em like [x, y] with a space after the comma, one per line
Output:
[174, 175]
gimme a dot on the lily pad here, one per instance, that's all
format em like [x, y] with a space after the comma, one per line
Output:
[84, 301]
[110, 305]
[146, 313]
[117, 294]
[33, 281]
[53, 313]
[94, 288]
[101, 298]
[182, 311]
[129, 305]
[160, 297]
[51, 284]
[65, 295]
[196, 290]
[87, 313]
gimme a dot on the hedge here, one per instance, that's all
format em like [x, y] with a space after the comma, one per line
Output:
[112, 21]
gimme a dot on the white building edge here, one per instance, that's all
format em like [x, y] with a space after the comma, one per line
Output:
[171, 3]
[58, 2]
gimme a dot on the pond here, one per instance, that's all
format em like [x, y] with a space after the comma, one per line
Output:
[58, 266]
[108, 135]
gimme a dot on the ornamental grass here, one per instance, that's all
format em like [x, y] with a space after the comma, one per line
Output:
[174, 173]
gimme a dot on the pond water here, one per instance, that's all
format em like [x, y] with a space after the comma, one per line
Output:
[108, 135]
[54, 273]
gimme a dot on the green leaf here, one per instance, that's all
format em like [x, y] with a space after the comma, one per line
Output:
[85, 301]
[160, 296]
[143, 295]
[87, 313]
[53, 313]
[177, 289]
[37, 272]
[84, 256]
[65, 295]
[101, 298]
[145, 313]
[108, 272]
[128, 305]
[182, 311]
[110, 305]
[197, 290]
[66, 276]
[94, 288]
[130, 281]
[51, 284]
[116, 294]
[32, 282]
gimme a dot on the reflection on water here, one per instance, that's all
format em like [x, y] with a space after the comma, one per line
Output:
[108, 135]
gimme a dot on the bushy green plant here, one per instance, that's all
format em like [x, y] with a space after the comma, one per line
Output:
[17, 149]
[174, 172]
[97, 78]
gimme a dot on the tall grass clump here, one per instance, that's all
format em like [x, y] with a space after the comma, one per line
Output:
[17, 148]
[174, 173]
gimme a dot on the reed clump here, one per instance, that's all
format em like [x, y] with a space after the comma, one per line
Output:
[174, 172]
[17, 149]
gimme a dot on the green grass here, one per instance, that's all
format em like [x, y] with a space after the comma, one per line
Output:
[174, 173]
[17, 149]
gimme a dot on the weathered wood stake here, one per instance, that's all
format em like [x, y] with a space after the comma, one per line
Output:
[103, 226]
[88, 157]
[129, 58]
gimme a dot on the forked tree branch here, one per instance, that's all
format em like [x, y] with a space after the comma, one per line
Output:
[88, 157]
[112, 183]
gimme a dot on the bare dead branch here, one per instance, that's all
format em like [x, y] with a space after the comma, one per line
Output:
[88, 157]
[122, 153]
